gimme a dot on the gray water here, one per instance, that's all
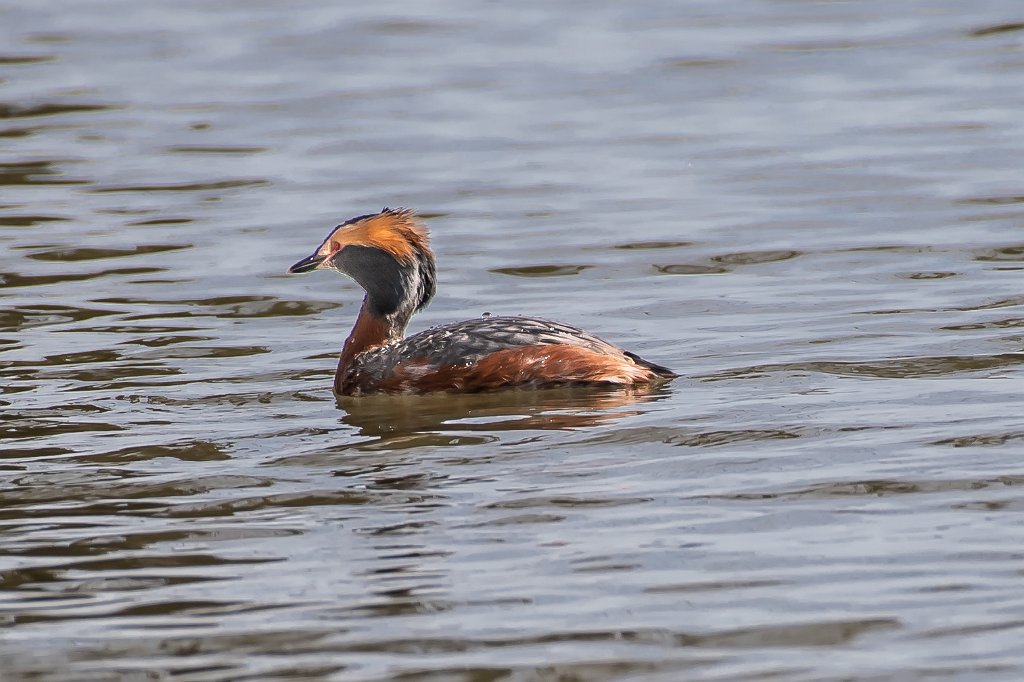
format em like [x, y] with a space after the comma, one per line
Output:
[814, 211]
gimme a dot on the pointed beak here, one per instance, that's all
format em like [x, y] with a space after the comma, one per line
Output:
[308, 263]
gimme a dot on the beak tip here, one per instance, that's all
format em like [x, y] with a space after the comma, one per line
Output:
[306, 264]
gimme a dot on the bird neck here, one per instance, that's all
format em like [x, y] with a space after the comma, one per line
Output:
[395, 290]
[370, 331]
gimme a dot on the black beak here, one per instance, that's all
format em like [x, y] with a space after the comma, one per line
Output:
[308, 263]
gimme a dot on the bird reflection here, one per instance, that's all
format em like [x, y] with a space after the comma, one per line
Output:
[389, 416]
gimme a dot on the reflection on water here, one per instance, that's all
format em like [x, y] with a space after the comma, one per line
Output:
[812, 211]
[389, 417]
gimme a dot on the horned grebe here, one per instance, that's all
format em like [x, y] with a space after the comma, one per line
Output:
[388, 255]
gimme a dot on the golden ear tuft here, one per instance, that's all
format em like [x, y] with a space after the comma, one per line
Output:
[397, 231]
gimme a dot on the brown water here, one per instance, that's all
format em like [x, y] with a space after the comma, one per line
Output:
[813, 211]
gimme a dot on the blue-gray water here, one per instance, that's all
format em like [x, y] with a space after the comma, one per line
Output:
[814, 211]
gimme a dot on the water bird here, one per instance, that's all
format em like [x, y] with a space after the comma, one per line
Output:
[388, 254]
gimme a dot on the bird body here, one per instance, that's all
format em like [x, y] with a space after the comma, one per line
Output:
[388, 254]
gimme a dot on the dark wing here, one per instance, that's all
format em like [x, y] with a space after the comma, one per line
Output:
[464, 343]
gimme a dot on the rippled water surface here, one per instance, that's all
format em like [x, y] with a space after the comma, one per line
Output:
[814, 211]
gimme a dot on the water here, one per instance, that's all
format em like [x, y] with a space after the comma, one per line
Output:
[812, 211]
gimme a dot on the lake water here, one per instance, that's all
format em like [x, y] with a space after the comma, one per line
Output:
[813, 211]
